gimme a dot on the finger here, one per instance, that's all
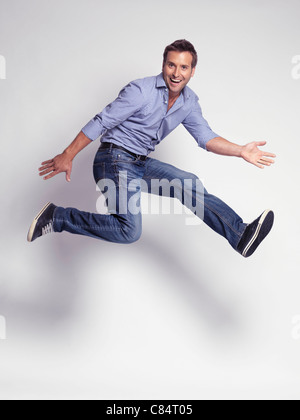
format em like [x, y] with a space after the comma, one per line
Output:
[50, 165]
[42, 168]
[47, 162]
[259, 165]
[48, 171]
[68, 176]
[263, 162]
[267, 161]
[50, 176]
[270, 154]
[261, 143]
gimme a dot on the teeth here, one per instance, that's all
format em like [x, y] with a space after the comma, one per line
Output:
[175, 81]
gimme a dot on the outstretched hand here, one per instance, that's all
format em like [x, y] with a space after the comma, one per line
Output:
[53, 167]
[252, 154]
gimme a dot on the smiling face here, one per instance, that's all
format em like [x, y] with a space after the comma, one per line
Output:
[178, 71]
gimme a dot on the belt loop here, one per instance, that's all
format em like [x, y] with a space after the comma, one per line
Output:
[110, 148]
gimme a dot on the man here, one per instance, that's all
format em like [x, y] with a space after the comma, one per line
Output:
[145, 112]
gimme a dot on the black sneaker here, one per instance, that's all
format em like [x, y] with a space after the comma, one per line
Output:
[255, 233]
[42, 224]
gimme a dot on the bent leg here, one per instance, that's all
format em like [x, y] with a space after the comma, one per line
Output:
[118, 175]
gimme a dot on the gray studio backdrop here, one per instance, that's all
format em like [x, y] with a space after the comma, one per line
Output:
[177, 315]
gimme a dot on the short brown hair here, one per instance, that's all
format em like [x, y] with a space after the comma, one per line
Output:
[182, 45]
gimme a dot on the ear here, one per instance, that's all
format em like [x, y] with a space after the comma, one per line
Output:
[194, 71]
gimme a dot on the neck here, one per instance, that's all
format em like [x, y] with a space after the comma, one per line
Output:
[173, 97]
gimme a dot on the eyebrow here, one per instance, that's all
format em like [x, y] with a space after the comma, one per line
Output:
[183, 65]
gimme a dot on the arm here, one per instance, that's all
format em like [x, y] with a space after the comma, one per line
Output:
[130, 99]
[63, 162]
[250, 152]
[209, 140]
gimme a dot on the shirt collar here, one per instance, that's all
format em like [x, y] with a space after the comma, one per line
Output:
[160, 83]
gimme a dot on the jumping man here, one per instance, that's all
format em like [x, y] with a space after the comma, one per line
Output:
[145, 112]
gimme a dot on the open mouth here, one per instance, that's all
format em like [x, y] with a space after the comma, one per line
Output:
[175, 81]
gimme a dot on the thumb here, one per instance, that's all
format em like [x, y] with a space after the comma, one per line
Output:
[68, 175]
[261, 143]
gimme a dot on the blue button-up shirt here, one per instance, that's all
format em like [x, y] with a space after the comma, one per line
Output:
[139, 119]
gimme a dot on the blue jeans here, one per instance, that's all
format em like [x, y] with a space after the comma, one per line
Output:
[122, 178]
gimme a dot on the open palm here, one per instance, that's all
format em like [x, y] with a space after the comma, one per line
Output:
[252, 154]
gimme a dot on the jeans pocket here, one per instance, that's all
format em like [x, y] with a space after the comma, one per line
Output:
[123, 157]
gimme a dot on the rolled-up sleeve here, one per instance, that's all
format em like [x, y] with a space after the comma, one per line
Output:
[129, 101]
[198, 127]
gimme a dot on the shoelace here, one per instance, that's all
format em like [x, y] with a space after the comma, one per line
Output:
[48, 229]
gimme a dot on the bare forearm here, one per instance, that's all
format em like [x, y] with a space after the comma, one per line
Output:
[250, 152]
[224, 147]
[80, 143]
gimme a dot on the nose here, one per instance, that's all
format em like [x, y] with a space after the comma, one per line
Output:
[176, 73]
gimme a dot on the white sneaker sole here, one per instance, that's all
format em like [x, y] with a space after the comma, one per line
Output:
[255, 236]
[34, 223]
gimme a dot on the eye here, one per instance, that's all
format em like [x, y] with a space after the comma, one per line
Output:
[184, 67]
[171, 65]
